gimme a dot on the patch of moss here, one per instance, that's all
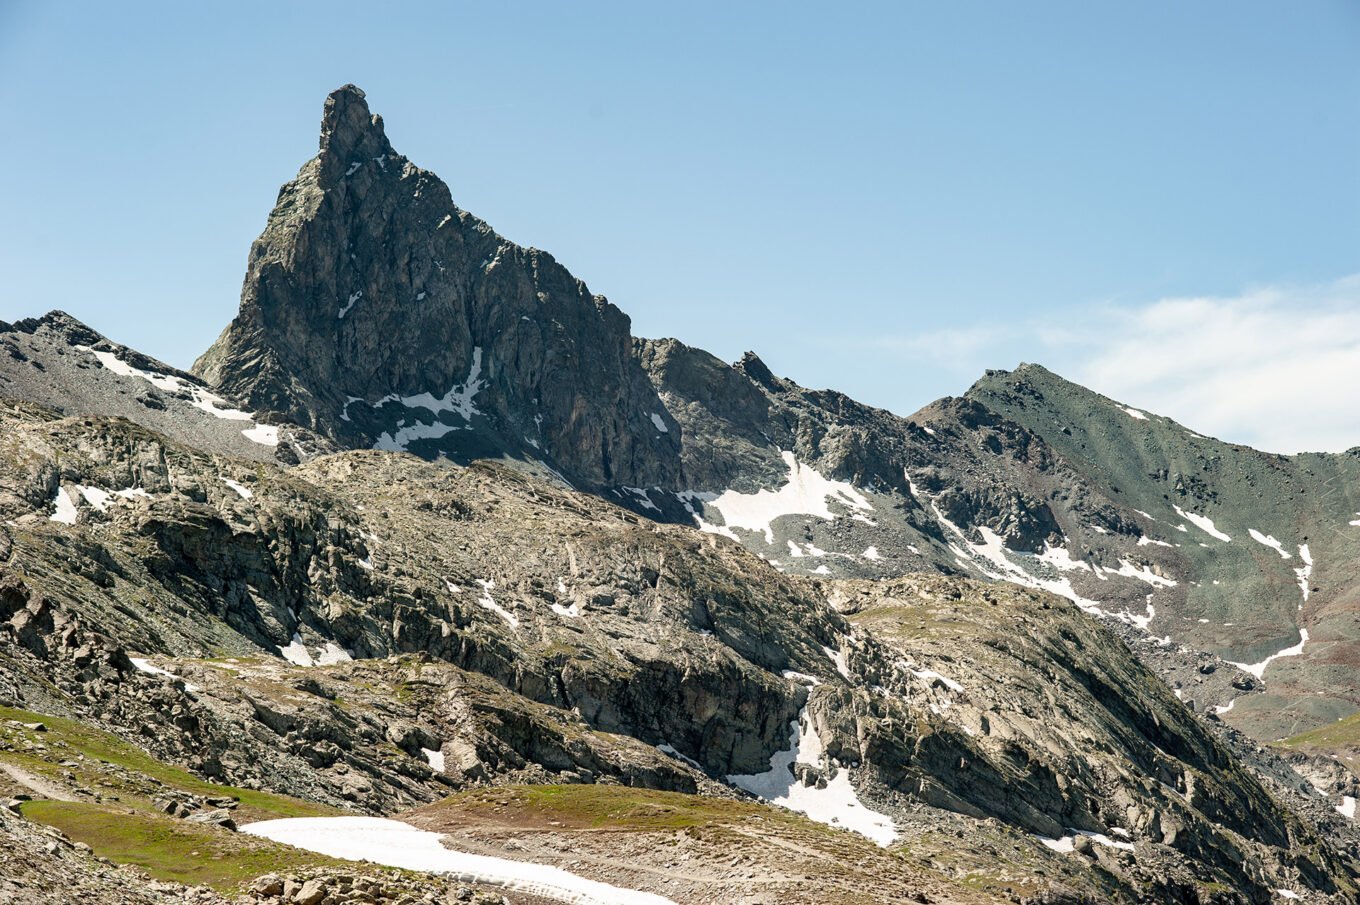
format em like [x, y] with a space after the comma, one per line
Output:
[1343, 733]
[624, 808]
[170, 849]
[95, 744]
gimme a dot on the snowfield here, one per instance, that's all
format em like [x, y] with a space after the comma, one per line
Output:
[1258, 669]
[805, 493]
[837, 804]
[396, 844]
[1203, 523]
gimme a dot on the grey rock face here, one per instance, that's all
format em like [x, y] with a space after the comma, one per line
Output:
[60, 363]
[372, 304]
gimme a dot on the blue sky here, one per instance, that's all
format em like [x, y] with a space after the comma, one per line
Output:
[884, 200]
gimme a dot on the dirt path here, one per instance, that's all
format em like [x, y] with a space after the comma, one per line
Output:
[36, 784]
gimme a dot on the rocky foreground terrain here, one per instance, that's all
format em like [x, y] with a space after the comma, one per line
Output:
[428, 535]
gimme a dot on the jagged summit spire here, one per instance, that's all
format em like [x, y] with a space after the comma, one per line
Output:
[349, 131]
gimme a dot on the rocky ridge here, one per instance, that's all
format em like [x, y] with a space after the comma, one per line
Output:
[370, 631]
[380, 315]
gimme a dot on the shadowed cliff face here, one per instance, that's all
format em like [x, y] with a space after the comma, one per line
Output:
[377, 313]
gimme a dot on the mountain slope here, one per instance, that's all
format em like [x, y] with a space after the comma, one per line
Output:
[425, 522]
[550, 637]
[378, 314]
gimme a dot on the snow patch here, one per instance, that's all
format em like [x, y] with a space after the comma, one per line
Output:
[1269, 541]
[199, 397]
[264, 434]
[101, 499]
[1258, 669]
[688, 499]
[296, 652]
[837, 804]
[570, 612]
[486, 602]
[350, 303]
[1203, 523]
[840, 659]
[332, 654]
[434, 758]
[669, 750]
[1142, 573]
[244, 491]
[395, 844]
[871, 553]
[659, 424]
[1304, 573]
[459, 400]
[1145, 541]
[1068, 843]
[1133, 413]
[141, 664]
[933, 676]
[1347, 807]
[807, 492]
[65, 511]
[640, 494]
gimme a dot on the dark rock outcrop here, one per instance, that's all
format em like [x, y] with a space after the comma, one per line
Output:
[372, 304]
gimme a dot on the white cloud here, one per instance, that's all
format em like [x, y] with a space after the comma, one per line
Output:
[1274, 368]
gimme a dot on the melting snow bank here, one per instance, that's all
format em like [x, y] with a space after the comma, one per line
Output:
[806, 493]
[1305, 572]
[1203, 523]
[395, 844]
[1068, 843]
[141, 664]
[1258, 669]
[1347, 807]
[836, 804]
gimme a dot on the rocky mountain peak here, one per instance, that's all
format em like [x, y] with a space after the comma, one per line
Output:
[380, 315]
[349, 131]
[751, 365]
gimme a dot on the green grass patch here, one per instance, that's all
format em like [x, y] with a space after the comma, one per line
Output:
[620, 808]
[70, 735]
[1342, 733]
[170, 849]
